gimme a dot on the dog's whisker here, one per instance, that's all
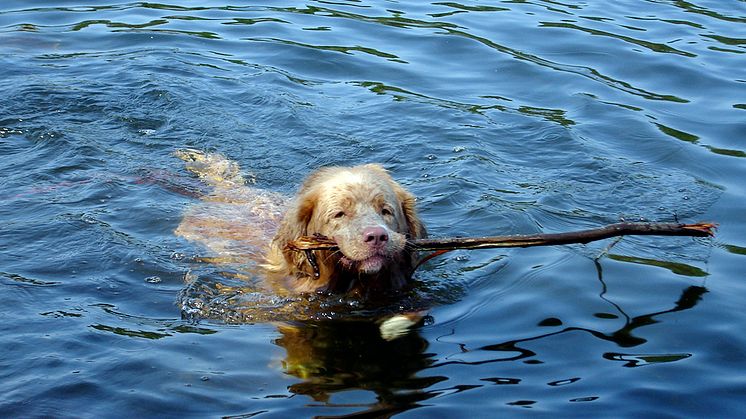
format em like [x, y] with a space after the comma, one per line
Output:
[331, 257]
[332, 254]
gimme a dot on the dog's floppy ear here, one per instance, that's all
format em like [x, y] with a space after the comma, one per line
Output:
[415, 227]
[294, 225]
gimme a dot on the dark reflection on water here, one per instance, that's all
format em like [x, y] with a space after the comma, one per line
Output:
[336, 356]
[622, 337]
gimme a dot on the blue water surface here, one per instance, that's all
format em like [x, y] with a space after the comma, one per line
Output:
[503, 117]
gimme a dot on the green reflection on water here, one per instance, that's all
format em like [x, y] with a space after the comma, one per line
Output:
[554, 115]
[471, 8]
[653, 46]
[27, 280]
[334, 48]
[131, 333]
[679, 135]
[675, 267]
[86, 23]
[726, 152]
[694, 139]
[736, 250]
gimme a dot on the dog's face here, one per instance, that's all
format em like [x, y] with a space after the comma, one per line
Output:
[370, 217]
[362, 212]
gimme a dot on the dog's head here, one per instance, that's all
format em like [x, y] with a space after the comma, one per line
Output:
[367, 213]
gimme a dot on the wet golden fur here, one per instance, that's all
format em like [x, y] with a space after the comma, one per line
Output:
[344, 203]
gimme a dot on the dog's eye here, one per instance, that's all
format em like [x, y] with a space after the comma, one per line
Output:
[386, 211]
[339, 214]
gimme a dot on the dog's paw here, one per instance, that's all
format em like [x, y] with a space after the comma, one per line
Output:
[212, 168]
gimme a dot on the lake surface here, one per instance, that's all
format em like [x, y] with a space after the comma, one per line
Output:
[504, 117]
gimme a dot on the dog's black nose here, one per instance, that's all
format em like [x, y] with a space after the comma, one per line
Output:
[375, 235]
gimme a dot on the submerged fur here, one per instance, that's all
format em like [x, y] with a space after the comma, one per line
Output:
[370, 216]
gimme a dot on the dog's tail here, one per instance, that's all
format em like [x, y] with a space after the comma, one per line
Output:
[212, 168]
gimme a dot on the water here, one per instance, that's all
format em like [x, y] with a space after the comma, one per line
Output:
[508, 117]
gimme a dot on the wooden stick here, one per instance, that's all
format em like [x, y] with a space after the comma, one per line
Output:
[583, 236]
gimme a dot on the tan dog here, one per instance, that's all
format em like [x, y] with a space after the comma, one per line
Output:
[362, 208]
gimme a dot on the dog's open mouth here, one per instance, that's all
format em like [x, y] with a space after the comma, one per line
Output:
[369, 265]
